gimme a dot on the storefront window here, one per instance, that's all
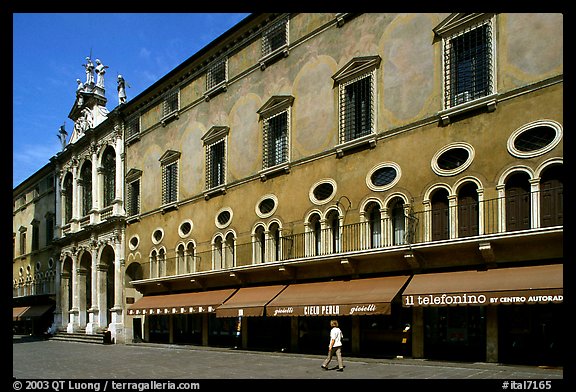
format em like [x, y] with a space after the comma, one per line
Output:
[455, 333]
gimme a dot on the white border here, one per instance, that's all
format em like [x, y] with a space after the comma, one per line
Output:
[538, 123]
[329, 198]
[443, 172]
[220, 226]
[268, 214]
[382, 165]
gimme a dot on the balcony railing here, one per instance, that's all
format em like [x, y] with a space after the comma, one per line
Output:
[434, 224]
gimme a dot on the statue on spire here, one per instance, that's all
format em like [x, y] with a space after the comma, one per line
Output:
[100, 71]
[89, 66]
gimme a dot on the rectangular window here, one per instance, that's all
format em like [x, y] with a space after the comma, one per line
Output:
[49, 230]
[276, 140]
[216, 164]
[35, 237]
[170, 104]
[356, 115]
[23, 243]
[133, 196]
[170, 183]
[275, 37]
[133, 127]
[468, 65]
[216, 74]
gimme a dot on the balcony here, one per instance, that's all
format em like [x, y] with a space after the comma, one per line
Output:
[477, 234]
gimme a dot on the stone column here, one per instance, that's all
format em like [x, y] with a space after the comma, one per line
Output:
[92, 326]
[535, 203]
[417, 332]
[73, 314]
[116, 326]
[119, 191]
[491, 333]
[81, 290]
[101, 271]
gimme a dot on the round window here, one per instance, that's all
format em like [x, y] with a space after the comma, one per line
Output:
[266, 206]
[223, 218]
[535, 138]
[185, 228]
[383, 176]
[323, 191]
[453, 159]
[157, 236]
[134, 242]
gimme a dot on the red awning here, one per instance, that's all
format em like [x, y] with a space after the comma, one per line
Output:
[517, 285]
[249, 301]
[338, 298]
[182, 303]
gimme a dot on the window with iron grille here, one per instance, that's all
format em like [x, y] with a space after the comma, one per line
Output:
[133, 126]
[170, 183]
[170, 104]
[275, 37]
[133, 198]
[217, 73]
[216, 164]
[109, 171]
[468, 65]
[356, 108]
[275, 140]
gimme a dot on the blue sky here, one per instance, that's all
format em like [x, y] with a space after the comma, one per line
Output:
[49, 50]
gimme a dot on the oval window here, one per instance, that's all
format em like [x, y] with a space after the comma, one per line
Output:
[383, 176]
[223, 218]
[185, 228]
[266, 206]
[134, 241]
[323, 191]
[453, 159]
[535, 138]
[157, 236]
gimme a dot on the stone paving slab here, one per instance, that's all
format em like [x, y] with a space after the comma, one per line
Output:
[48, 359]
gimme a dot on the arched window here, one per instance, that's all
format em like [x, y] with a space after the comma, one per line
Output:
[229, 258]
[274, 235]
[440, 220]
[374, 225]
[333, 221]
[162, 262]
[68, 194]
[517, 193]
[551, 196]
[180, 260]
[314, 240]
[397, 219]
[109, 171]
[260, 244]
[154, 264]
[191, 257]
[468, 211]
[217, 256]
[86, 180]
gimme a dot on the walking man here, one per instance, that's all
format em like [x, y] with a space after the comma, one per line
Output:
[335, 346]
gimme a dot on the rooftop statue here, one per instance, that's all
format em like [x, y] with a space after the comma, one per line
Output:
[100, 71]
[89, 66]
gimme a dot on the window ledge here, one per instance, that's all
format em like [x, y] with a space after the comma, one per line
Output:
[274, 55]
[274, 170]
[169, 117]
[133, 219]
[169, 207]
[221, 189]
[219, 88]
[489, 102]
[133, 139]
[369, 140]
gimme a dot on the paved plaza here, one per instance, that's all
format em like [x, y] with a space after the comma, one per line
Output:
[50, 359]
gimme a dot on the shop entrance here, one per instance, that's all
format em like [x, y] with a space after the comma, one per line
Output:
[455, 333]
[314, 334]
[531, 334]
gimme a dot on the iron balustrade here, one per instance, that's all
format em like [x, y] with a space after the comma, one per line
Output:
[462, 221]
